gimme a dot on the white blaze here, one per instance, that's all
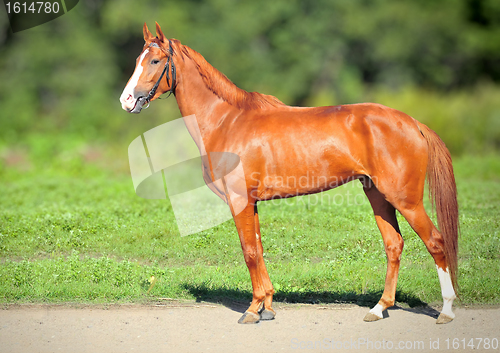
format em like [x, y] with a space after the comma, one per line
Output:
[127, 98]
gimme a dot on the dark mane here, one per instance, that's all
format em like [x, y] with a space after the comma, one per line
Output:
[223, 88]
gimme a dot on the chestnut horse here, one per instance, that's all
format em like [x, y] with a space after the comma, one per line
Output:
[388, 151]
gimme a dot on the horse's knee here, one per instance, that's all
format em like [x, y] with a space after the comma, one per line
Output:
[394, 250]
[251, 256]
[435, 246]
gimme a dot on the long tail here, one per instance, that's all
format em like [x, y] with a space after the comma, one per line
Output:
[443, 195]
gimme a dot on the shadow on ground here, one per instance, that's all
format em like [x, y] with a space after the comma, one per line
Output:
[238, 301]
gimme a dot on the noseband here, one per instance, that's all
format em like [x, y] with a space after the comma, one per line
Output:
[170, 62]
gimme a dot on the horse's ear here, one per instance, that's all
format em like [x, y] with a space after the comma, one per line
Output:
[160, 34]
[148, 37]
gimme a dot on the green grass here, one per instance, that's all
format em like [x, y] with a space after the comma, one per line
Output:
[83, 235]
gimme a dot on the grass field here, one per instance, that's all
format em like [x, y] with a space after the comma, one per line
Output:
[80, 234]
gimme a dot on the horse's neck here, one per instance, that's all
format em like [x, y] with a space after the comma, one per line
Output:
[195, 98]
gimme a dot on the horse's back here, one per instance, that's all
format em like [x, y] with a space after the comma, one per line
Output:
[360, 131]
[305, 150]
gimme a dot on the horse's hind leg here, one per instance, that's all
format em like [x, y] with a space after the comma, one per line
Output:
[385, 215]
[433, 240]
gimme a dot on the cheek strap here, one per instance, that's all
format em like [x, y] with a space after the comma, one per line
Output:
[170, 62]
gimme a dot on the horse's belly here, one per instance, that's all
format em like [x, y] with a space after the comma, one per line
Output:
[285, 186]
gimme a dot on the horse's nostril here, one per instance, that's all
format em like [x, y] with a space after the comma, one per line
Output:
[129, 98]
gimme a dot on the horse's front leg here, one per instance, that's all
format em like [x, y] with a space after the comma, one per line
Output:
[267, 312]
[245, 223]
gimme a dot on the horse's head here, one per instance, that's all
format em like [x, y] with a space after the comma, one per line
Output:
[154, 62]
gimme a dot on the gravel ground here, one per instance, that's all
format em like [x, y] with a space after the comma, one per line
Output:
[205, 327]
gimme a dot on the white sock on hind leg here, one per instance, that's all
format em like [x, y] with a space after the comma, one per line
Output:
[377, 310]
[447, 291]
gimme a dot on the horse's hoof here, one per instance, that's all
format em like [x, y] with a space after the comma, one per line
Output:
[443, 319]
[267, 314]
[249, 318]
[371, 317]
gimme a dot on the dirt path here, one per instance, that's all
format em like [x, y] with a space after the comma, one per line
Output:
[200, 327]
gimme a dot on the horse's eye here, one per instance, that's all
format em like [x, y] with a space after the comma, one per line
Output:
[154, 62]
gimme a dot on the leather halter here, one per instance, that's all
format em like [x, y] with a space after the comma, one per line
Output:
[170, 62]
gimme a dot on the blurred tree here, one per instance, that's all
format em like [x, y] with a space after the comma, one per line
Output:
[297, 47]
[57, 76]
[67, 74]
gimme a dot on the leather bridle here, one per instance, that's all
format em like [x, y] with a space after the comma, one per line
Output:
[169, 63]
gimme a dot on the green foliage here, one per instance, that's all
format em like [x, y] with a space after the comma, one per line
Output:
[437, 60]
[468, 121]
[297, 49]
[64, 84]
